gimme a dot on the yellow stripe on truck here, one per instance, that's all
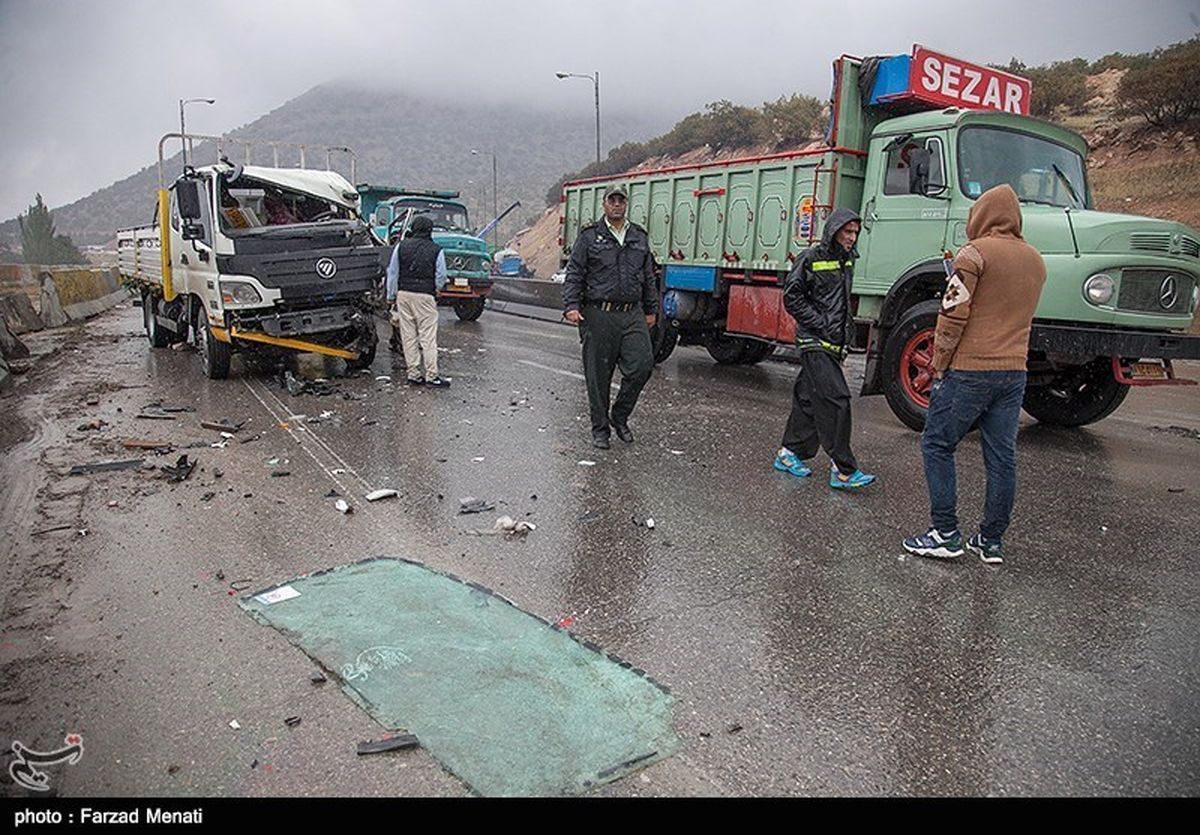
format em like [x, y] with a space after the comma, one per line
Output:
[164, 235]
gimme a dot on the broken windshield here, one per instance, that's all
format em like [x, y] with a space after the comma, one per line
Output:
[1040, 171]
[248, 204]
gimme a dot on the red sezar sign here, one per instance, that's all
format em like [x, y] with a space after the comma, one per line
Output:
[948, 81]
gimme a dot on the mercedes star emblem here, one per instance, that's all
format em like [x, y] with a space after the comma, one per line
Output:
[1168, 293]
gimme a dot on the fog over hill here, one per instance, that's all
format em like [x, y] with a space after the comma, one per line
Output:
[399, 139]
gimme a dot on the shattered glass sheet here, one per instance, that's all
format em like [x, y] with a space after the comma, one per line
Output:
[504, 700]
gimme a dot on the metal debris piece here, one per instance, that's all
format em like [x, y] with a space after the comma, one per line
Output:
[399, 742]
[318, 677]
[343, 506]
[587, 463]
[376, 495]
[160, 407]
[106, 466]
[292, 721]
[154, 416]
[222, 426]
[254, 437]
[470, 504]
[138, 443]
[182, 469]
[280, 473]
[208, 497]
[233, 723]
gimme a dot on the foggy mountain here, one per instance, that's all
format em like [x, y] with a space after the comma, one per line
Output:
[399, 139]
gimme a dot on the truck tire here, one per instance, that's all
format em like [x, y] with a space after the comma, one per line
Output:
[756, 352]
[214, 354]
[469, 311]
[663, 338]
[159, 337]
[1083, 395]
[908, 363]
[726, 350]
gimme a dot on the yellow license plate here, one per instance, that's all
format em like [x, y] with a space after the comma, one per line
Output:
[1149, 369]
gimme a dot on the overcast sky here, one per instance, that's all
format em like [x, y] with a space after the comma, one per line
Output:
[87, 88]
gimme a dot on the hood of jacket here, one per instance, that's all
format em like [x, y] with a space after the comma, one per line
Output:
[836, 221]
[997, 213]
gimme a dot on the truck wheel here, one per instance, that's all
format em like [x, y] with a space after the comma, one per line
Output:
[1083, 395]
[159, 338]
[756, 352]
[908, 363]
[726, 350]
[469, 311]
[214, 354]
[663, 338]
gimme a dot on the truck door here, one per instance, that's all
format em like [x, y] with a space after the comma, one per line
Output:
[906, 202]
[194, 267]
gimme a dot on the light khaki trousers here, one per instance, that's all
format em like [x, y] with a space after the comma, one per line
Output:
[417, 316]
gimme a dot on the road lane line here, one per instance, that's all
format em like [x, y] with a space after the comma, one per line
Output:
[562, 371]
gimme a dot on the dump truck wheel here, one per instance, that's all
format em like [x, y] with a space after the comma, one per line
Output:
[1083, 395]
[726, 350]
[756, 352]
[159, 338]
[469, 311]
[663, 338]
[908, 364]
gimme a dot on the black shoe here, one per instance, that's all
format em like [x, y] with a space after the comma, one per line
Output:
[600, 440]
[416, 381]
[622, 430]
[438, 383]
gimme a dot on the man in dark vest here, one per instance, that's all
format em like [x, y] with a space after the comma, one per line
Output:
[611, 293]
[415, 274]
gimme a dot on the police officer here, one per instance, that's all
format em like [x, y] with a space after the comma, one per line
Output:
[817, 295]
[611, 293]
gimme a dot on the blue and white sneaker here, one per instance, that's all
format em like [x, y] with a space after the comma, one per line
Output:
[854, 481]
[787, 462]
[934, 543]
[989, 550]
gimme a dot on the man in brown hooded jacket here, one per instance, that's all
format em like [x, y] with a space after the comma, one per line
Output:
[979, 355]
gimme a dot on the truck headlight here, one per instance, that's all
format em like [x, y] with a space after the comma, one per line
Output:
[1099, 289]
[239, 292]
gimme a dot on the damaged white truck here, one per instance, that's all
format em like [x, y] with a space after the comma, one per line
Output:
[269, 259]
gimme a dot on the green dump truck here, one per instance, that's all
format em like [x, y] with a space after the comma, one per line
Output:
[913, 141]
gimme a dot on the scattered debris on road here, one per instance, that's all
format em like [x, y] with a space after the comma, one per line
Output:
[343, 506]
[106, 466]
[182, 469]
[399, 742]
[470, 504]
[292, 721]
[138, 443]
[377, 495]
[222, 425]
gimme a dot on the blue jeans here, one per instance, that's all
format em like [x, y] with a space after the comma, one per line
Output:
[959, 401]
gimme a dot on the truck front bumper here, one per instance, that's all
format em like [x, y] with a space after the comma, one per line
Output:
[1101, 342]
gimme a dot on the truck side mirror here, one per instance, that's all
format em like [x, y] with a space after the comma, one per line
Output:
[188, 194]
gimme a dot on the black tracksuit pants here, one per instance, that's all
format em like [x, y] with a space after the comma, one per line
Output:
[820, 417]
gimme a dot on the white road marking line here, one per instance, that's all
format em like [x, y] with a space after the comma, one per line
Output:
[561, 371]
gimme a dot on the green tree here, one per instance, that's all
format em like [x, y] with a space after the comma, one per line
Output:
[1164, 91]
[793, 120]
[39, 243]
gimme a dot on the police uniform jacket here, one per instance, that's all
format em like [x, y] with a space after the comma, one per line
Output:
[602, 270]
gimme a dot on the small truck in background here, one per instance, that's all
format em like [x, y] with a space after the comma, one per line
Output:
[390, 209]
[913, 141]
[253, 258]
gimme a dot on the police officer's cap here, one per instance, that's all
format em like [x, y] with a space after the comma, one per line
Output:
[616, 188]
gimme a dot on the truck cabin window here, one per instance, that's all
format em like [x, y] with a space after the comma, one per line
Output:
[446, 217]
[251, 204]
[914, 167]
[1039, 171]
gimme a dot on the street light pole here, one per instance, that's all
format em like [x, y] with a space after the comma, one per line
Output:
[495, 196]
[595, 79]
[183, 128]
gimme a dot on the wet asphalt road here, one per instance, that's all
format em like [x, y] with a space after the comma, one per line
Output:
[807, 653]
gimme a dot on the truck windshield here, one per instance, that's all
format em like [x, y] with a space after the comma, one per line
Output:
[988, 157]
[448, 217]
[248, 204]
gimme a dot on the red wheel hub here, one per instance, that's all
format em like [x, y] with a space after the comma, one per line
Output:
[916, 368]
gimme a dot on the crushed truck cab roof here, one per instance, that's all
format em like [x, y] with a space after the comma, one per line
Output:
[325, 185]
